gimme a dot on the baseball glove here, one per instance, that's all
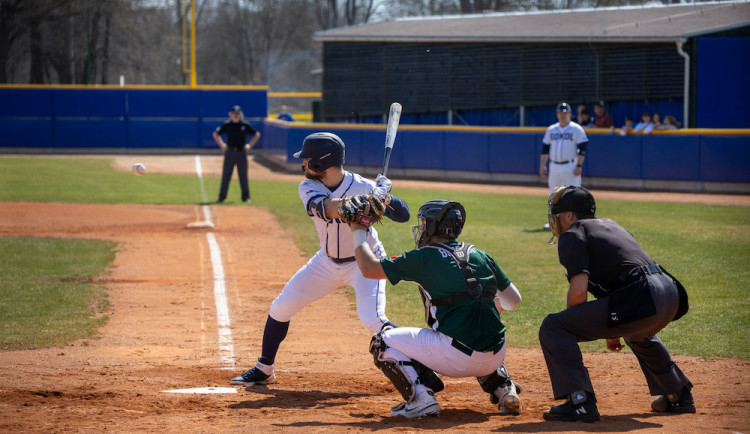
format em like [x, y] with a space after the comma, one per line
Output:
[363, 209]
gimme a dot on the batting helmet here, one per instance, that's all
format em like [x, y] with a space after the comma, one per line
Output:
[444, 218]
[325, 150]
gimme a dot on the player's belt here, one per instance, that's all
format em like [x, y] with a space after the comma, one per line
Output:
[466, 350]
[562, 162]
[342, 260]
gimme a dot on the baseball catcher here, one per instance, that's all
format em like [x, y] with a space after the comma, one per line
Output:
[463, 291]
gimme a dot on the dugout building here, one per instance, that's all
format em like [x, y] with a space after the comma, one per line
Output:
[511, 69]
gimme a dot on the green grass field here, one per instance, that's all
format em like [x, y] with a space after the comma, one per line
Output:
[707, 247]
[46, 294]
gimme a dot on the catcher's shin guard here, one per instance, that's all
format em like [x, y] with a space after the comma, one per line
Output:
[495, 379]
[393, 369]
[502, 390]
[428, 377]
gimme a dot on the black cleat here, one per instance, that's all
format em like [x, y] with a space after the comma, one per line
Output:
[579, 407]
[256, 375]
[678, 403]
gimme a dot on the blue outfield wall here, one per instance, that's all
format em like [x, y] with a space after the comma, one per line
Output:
[697, 155]
[180, 118]
[127, 117]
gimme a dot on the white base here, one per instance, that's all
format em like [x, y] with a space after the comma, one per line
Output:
[200, 225]
[203, 390]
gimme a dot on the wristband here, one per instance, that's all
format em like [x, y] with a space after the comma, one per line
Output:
[579, 165]
[360, 237]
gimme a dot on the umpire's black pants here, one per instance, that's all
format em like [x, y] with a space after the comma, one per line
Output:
[560, 333]
[233, 157]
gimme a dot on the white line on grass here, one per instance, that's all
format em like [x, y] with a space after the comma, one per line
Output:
[226, 347]
[199, 172]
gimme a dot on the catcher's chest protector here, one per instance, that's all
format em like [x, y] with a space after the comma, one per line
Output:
[474, 289]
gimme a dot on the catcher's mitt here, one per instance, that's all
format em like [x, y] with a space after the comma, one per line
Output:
[363, 209]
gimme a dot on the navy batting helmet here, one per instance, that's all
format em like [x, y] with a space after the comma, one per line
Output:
[325, 150]
[444, 218]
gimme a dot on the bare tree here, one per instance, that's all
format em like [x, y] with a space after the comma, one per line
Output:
[239, 41]
[327, 13]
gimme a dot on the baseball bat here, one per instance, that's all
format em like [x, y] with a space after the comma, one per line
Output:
[394, 115]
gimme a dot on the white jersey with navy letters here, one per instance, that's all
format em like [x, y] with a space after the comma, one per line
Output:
[563, 154]
[564, 141]
[333, 266]
[335, 236]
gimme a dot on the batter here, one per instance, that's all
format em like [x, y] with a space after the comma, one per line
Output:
[334, 264]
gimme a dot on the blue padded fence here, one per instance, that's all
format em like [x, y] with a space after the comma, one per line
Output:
[698, 155]
[140, 118]
[137, 117]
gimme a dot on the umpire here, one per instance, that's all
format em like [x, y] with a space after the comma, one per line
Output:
[235, 151]
[635, 298]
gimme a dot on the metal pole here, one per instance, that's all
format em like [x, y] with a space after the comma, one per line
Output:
[193, 74]
[686, 89]
[88, 47]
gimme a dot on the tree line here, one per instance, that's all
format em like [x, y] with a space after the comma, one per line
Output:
[238, 42]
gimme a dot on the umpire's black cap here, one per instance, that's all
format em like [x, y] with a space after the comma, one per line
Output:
[576, 199]
[563, 107]
[236, 109]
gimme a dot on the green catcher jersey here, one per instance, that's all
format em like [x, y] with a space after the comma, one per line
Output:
[474, 322]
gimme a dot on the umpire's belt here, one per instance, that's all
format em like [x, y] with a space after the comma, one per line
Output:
[636, 274]
[561, 162]
[651, 269]
[342, 260]
[466, 350]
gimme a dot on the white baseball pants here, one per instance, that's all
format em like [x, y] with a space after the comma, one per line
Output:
[319, 277]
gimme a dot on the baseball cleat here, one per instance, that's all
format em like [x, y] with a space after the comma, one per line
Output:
[678, 403]
[580, 406]
[508, 400]
[424, 404]
[261, 374]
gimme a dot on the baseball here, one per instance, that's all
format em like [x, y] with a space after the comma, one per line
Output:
[139, 169]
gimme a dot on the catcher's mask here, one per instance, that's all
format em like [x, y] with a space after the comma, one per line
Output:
[576, 199]
[445, 218]
[324, 150]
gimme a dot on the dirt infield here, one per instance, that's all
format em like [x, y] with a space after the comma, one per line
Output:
[163, 335]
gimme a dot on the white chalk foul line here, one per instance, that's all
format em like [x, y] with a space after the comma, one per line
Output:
[226, 347]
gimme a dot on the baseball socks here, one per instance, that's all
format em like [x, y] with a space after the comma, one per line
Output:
[273, 334]
[263, 373]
